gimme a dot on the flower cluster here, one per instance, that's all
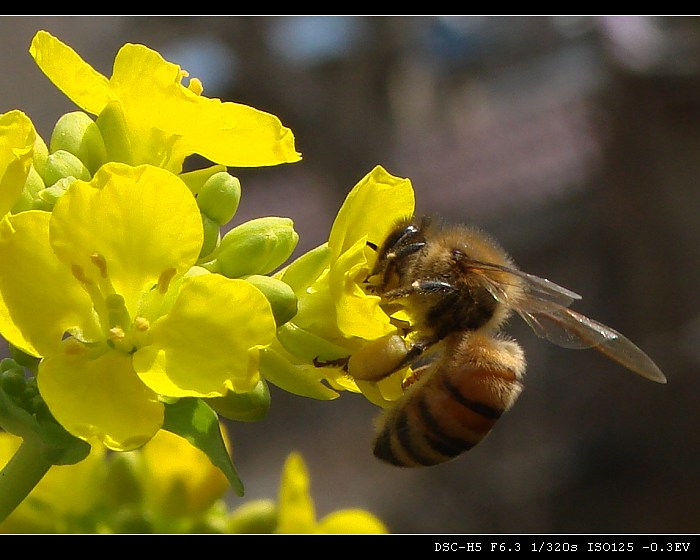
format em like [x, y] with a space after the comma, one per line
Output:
[168, 486]
[129, 312]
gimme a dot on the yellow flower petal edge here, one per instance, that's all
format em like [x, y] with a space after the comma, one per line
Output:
[17, 137]
[161, 113]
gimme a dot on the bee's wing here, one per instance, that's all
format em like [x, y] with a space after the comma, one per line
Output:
[544, 307]
[569, 329]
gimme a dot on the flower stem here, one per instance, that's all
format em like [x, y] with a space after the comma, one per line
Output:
[26, 468]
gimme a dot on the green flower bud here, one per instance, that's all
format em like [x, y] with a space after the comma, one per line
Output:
[212, 235]
[309, 346]
[219, 197]
[29, 198]
[195, 179]
[280, 295]
[307, 268]
[112, 125]
[12, 379]
[63, 164]
[78, 134]
[255, 247]
[49, 196]
[40, 155]
[243, 407]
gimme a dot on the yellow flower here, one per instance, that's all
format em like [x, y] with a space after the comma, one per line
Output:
[335, 315]
[100, 290]
[181, 481]
[295, 511]
[162, 120]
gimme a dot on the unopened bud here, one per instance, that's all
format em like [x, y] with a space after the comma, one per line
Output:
[62, 164]
[40, 155]
[112, 125]
[219, 197]
[280, 295]
[50, 195]
[29, 198]
[256, 247]
[78, 134]
[212, 235]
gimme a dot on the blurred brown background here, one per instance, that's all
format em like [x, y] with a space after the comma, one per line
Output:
[574, 140]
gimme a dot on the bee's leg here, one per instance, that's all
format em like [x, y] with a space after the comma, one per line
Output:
[339, 362]
[415, 375]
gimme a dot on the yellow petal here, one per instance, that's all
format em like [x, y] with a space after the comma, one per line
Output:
[358, 314]
[227, 133]
[142, 222]
[209, 342]
[297, 513]
[182, 479]
[17, 137]
[371, 210]
[71, 74]
[352, 521]
[100, 398]
[39, 297]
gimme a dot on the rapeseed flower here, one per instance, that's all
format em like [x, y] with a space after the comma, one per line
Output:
[336, 315]
[103, 289]
[147, 115]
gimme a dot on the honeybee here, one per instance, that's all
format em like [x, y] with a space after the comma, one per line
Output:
[458, 286]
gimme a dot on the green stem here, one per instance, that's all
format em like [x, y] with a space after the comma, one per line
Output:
[26, 468]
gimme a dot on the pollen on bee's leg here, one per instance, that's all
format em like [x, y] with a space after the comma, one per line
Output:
[164, 279]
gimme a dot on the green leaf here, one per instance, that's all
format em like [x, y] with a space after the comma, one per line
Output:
[195, 421]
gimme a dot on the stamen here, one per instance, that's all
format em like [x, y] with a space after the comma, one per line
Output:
[73, 347]
[79, 273]
[100, 262]
[164, 280]
[142, 324]
[116, 334]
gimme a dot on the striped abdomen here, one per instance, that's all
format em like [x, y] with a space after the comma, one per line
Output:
[454, 404]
